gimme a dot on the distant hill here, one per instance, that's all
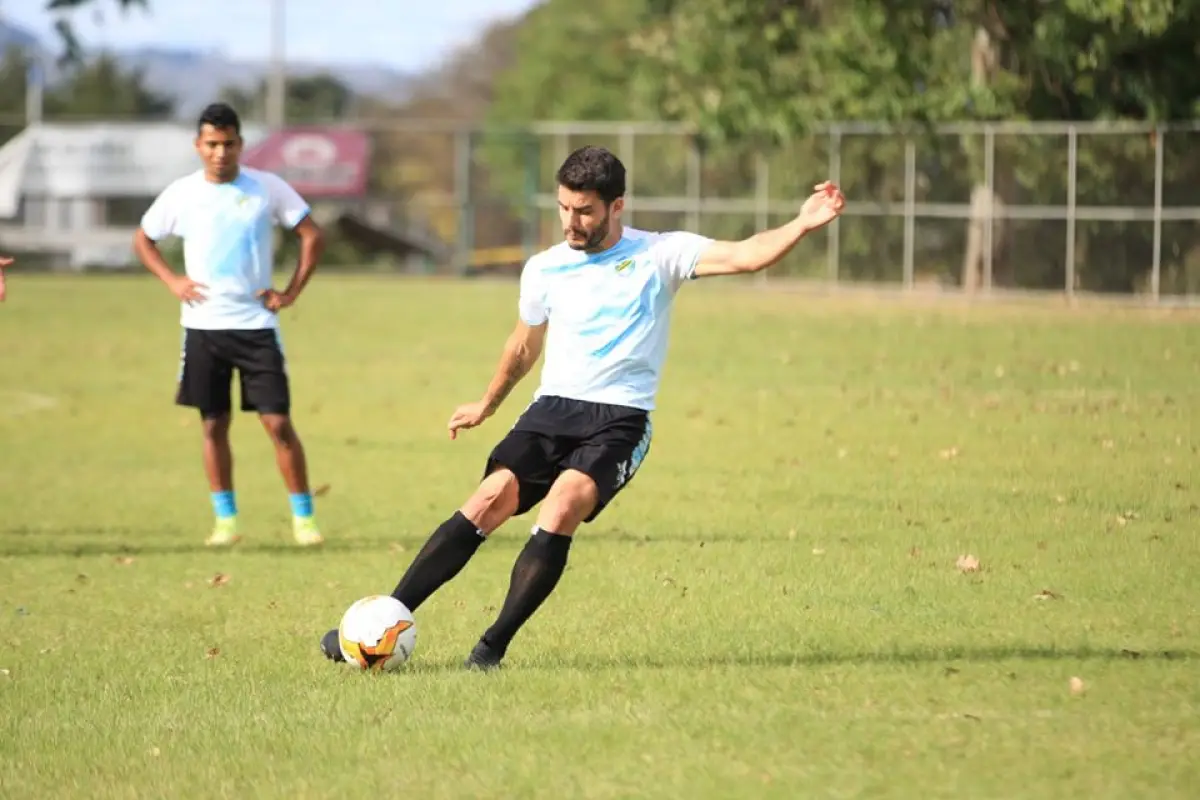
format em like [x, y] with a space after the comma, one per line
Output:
[195, 78]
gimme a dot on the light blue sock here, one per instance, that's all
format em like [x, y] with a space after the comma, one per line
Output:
[302, 505]
[224, 504]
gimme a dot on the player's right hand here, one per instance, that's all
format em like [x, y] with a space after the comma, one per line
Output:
[466, 417]
[187, 290]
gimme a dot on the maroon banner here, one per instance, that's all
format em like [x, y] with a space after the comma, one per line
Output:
[317, 162]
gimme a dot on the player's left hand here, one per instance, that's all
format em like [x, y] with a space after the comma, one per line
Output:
[274, 301]
[824, 206]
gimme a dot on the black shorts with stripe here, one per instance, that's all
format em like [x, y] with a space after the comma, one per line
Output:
[209, 359]
[608, 443]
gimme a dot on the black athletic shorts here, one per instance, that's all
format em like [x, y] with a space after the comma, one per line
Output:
[605, 442]
[206, 367]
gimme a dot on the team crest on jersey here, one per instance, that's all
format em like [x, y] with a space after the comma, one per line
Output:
[624, 265]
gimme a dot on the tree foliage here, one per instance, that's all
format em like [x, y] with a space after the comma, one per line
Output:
[774, 67]
[757, 78]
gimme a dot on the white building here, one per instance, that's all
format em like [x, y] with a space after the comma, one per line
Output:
[76, 192]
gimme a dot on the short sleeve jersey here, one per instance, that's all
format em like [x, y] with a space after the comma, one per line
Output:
[228, 242]
[609, 314]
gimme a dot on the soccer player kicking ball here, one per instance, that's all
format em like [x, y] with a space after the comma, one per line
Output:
[600, 302]
[225, 214]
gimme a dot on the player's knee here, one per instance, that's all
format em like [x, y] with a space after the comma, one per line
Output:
[571, 500]
[279, 428]
[216, 429]
[494, 502]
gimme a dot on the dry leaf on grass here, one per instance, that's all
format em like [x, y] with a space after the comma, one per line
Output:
[124, 560]
[967, 563]
[213, 652]
[1046, 594]
[1077, 686]
[220, 579]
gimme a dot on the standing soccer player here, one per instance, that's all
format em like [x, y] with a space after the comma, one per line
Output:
[226, 213]
[605, 295]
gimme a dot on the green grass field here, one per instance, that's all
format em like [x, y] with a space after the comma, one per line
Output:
[773, 609]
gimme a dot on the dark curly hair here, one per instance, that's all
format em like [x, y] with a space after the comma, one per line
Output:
[593, 169]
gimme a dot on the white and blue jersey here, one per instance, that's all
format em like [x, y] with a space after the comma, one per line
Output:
[609, 314]
[228, 242]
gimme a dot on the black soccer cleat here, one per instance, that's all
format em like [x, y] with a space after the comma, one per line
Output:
[483, 658]
[331, 647]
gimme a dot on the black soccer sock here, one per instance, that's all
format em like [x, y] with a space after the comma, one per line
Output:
[444, 555]
[534, 576]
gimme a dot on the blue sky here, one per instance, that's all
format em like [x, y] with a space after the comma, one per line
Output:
[398, 33]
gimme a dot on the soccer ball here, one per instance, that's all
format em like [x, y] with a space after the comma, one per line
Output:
[377, 633]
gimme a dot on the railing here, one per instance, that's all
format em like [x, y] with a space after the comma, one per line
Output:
[1067, 207]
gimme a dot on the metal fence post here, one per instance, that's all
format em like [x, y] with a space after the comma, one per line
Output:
[465, 241]
[1156, 265]
[694, 167]
[531, 230]
[832, 254]
[762, 199]
[1072, 156]
[626, 146]
[989, 220]
[910, 203]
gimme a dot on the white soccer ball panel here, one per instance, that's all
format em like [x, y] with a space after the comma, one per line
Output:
[377, 633]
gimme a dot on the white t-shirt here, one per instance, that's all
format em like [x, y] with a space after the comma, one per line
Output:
[609, 314]
[227, 232]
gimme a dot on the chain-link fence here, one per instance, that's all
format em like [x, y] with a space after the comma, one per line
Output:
[1063, 207]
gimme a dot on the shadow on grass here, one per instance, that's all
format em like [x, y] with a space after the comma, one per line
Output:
[90, 542]
[915, 657]
[26, 542]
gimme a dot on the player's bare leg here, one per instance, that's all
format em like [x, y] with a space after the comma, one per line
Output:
[455, 541]
[451, 546]
[218, 467]
[293, 467]
[539, 566]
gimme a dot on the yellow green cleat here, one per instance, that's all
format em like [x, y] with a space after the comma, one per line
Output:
[305, 532]
[224, 533]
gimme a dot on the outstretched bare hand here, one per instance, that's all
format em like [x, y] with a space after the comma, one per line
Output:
[824, 206]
